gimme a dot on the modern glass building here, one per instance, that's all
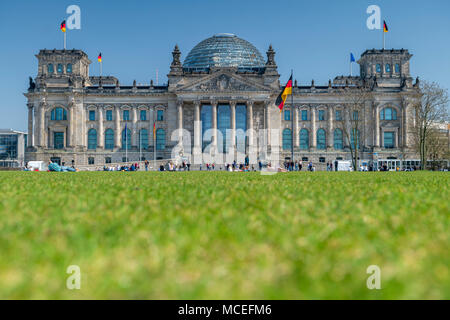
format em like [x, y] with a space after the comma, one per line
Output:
[12, 148]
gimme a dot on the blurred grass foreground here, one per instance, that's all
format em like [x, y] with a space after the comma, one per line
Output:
[220, 235]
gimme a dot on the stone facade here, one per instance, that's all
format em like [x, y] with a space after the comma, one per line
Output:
[66, 105]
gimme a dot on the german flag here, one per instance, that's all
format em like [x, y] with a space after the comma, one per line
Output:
[63, 26]
[99, 57]
[385, 27]
[287, 90]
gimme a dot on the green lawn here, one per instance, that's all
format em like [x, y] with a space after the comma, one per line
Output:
[224, 235]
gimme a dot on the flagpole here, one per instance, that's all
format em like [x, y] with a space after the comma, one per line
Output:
[126, 142]
[384, 40]
[101, 68]
[65, 40]
[154, 146]
[140, 145]
[292, 115]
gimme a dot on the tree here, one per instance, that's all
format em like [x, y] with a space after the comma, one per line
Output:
[429, 109]
[437, 146]
[353, 122]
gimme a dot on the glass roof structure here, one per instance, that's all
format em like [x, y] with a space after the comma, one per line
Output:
[224, 50]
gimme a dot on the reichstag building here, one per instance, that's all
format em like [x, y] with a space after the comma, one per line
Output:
[218, 106]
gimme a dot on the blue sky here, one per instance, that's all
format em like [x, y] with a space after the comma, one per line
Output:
[314, 38]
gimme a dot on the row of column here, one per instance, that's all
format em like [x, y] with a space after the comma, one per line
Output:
[214, 105]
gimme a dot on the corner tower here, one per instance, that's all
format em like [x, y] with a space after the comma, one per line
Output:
[388, 67]
[62, 68]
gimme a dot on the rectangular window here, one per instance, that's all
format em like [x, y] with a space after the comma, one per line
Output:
[304, 115]
[389, 140]
[108, 160]
[126, 115]
[91, 160]
[143, 115]
[58, 140]
[109, 115]
[287, 115]
[160, 115]
[321, 115]
[338, 115]
[91, 115]
[355, 116]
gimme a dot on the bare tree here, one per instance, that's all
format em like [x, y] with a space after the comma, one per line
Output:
[438, 147]
[353, 121]
[430, 109]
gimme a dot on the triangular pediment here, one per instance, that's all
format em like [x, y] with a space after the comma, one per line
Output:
[223, 82]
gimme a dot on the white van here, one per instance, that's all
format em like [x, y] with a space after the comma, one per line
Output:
[37, 166]
[344, 165]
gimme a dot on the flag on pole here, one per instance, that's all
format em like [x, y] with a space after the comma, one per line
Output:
[385, 27]
[154, 130]
[100, 57]
[352, 58]
[63, 26]
[287, 90]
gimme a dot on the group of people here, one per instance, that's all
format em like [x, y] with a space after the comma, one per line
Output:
[54, 167]
[298, 166]
[132, 167]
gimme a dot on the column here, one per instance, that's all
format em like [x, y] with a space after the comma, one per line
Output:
[377, 128]
[117, 133]
[250, 125]
[134, 129]
[42, 125]
[71, 125]
[313, 127]
[233, 125]
[180, 121]
[267, 121]
[214, 124]
[405, 126]
[151, 118]
[330, 138]
[295, 129]
[30, 125]
[101, 131]
[197, 128]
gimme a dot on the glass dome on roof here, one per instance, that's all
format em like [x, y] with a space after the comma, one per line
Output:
[224, 50]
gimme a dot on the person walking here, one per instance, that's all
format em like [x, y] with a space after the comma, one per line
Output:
[146, 165]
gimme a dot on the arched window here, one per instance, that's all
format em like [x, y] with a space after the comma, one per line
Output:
[50, 69]
[287, 139]
[143, 138]
[241, 127]
[338, 143]
[109, 139]
[92, 139]
[143, 115]
[321, 139]
[388, 114]
[126, 139]
[58, 114]
[60, 68]
[388, 68]
[223, 124]
[69, 68]
[355, 138]
[160, 139]
[304, 139]
[206, 122]
[378, 68]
